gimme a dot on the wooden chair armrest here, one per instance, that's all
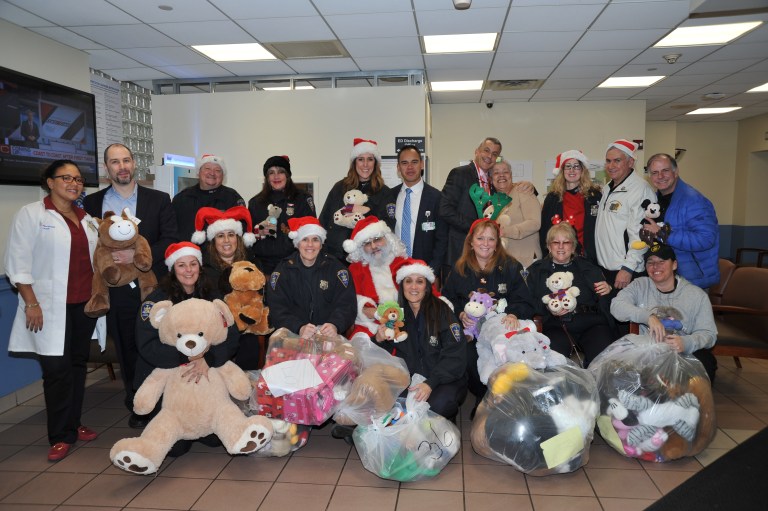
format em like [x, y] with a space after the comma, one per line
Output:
[733, 309]
[539, 322]
[634, 328]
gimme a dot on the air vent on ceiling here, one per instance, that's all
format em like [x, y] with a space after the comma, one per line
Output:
[514, 84]
[306, 49]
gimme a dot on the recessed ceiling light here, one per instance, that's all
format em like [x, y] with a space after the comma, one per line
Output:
[711, 111]
[234, 52]
[287, 87]
[760, 88]
[707, 34]
[456, 86]
[630, 81]
[459, 43]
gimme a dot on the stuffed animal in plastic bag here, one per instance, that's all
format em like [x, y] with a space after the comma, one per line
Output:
[563, 294]
[390, 314]
[480, 305]
[191, 410]
[286, 438]
[353, 210]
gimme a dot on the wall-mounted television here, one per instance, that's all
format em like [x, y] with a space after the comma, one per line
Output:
[41, 121]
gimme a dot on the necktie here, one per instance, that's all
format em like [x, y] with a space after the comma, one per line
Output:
[405, 222]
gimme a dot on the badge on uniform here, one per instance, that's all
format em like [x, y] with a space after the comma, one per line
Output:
[146, 308]
[614, 206]
[456, 331]
[428, 226]
[311, 203]
[391, 210]
[273, 279]
[432, 340]
[289, 210]
[503, 288]
[343, 277]
[594, 209]
[323, 284]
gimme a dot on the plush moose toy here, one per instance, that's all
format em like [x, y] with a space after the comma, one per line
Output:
[118, 232]
[487, 205]
[563, 293]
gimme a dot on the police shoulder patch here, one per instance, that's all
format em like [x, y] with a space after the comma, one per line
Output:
[343, 276]
[456, 331]
[146, 308]
[391, 208]
[273, 279]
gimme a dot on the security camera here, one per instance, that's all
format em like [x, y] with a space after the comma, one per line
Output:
[462, 4]
[489, 104]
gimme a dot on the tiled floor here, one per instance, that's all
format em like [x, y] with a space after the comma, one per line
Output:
[328, 475]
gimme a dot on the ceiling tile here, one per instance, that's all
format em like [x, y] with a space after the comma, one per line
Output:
[79, 12]
[110, 59]
[126, 36]
[538, 41]
[262, 67]
[599, 72]
[619, 39]
[508, 94]
[330, 7]
[560, 95]
[273, 30]
[571, 83]
[668, 92]
[205, 32]
[528, 58]
[739, 51]
[369, 25]
[687, 55]
[383, 46]
[460, 22]
[238, 9]
[195, 71]
[700, 80]
[141, 73]
[603, 57]
[538, 3]
[338, 65]
[187, 10]
[611, 93]
[20, 17]
[457, 74]
[432, 5]
[650, 69]
[554, 18]
[642, 15]
[165, 56]
[67, 37]
[458, 61]
[720, 66]
[519, 73]
[389, 63]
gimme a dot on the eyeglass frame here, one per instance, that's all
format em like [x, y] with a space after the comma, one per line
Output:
[68, 179]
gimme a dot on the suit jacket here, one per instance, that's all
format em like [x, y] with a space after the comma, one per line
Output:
[428, 245]
[457, 209]
[158, 221]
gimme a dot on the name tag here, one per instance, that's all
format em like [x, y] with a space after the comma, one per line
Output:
[428, 226]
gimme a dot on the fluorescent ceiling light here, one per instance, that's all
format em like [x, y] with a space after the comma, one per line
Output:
[707, 34]
[711, 111]
[630, 81]
[287, 87]
[234, 52]
[456, 86]
[760, 88]
[459, 43]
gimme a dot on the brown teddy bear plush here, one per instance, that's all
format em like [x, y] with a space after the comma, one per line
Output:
[191, 410]
[246, 301]
[676, 446]
[118, 233]
[372, 394]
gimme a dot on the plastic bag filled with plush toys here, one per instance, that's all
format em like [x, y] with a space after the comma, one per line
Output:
[655, 403]
[409, 443]
[539, 421]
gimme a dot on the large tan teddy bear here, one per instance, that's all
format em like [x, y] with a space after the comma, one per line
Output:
[191, 410]
[118, 232]
[246, 301]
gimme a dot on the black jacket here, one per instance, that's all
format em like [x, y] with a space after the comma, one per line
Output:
[189, 200]
[441, 357]
[429, 240]
[554, 206]
[273, 250]
[324, 293]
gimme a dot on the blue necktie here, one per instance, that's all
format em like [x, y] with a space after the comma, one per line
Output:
[405, 222]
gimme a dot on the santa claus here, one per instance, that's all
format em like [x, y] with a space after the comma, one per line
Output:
[376, 254]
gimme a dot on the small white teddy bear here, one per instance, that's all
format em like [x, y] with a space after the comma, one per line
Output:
[563, 294]
[353, 210]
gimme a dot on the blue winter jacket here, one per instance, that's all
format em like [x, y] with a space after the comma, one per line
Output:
[695, 235]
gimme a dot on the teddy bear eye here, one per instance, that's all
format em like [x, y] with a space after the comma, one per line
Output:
[178, 336]
[200, 334]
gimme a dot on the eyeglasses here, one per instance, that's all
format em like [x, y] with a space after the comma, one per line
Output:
[572, 166]
[561, 243]
[68, 179]
[373, 241]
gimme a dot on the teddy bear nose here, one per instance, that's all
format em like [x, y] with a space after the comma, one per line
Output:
[190, 344]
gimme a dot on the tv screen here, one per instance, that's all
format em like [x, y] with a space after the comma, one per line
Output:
[41, 121]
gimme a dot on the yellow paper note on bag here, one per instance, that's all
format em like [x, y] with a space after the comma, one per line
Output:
[562, 447]
[608, 432]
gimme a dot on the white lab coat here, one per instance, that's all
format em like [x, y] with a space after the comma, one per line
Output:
[38, 253]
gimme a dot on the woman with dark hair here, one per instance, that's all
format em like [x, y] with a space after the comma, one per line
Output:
[590, 327]
[49, 260]
[572, 197]
[435, 347]
[185, 280]
[280, 191]
[364, 174]
[485, 266]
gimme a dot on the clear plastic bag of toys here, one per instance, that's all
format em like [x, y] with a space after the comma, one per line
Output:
[382, 378]
[410, 443]
[304, 380]
[540, 422]
[655, 404]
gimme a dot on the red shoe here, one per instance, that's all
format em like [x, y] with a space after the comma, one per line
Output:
[86, 434]
[58, 451]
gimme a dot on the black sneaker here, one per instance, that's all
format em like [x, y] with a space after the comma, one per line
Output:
[138, 421]
[343, 432]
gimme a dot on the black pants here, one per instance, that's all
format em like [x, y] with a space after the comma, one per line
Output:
[247, 357]
[475, 386]
[121, 325]
[589, 330]
[709, 362]
[64, 377]
[446, 398]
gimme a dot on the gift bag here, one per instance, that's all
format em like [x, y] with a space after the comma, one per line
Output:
[540, 422]
[410, 443]
[383, 377]
[656, 404]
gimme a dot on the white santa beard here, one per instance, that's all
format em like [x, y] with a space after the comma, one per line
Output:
[382, 281]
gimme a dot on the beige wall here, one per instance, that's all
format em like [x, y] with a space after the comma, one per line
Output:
[751, 176]
[35, 55]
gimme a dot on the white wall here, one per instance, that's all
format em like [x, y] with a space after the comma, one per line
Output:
[314, 128]
[35, 55]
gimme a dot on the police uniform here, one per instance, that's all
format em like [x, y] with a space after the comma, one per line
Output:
[187, 202]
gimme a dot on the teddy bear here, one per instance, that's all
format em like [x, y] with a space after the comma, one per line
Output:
[190, 411]
[373, 393]
[563, 293]
[390, 314]
[118, 232]
[647, 238]
[353, 210]
[268, 226]
[480, 305]
[246, 301]
[286, 438]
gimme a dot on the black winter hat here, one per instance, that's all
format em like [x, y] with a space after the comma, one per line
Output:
[278, 161]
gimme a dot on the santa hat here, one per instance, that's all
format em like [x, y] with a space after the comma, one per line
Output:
[367, 228]
[181, 249]
[220, 221]
[625, 146]
[303, 227]
[362, 146]
[212, 158]
[414, 267]
[568, 155]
